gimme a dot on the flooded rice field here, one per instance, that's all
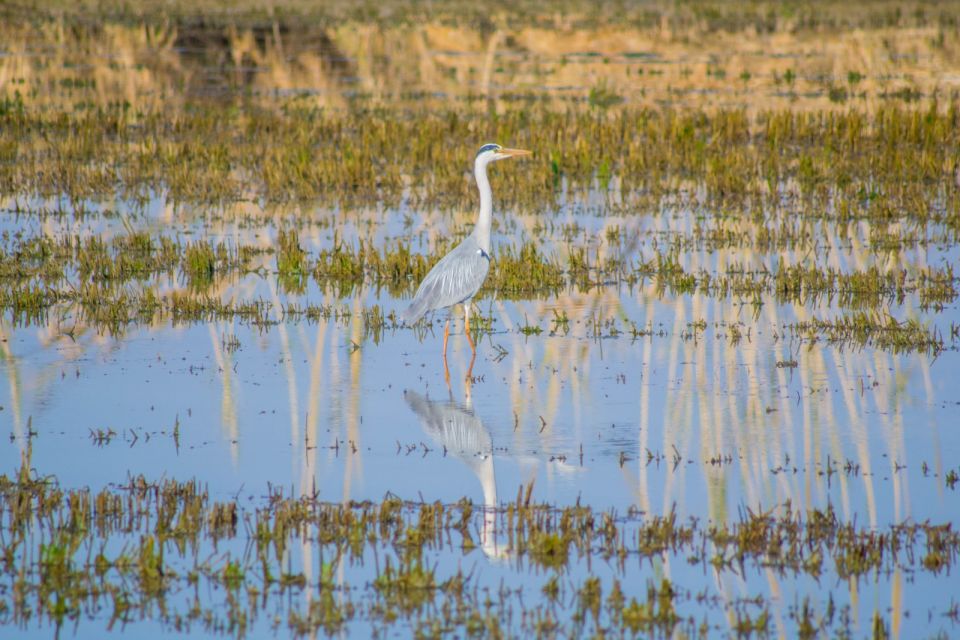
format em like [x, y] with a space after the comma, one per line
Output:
[715, 387]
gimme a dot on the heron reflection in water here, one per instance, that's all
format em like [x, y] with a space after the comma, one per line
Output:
[457, 277]
[455, 427]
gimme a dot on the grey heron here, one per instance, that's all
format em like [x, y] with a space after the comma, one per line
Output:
[457, 277]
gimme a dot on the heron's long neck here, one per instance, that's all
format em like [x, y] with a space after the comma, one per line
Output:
[482, 230]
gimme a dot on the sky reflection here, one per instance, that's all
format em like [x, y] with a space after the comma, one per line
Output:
[684, 419]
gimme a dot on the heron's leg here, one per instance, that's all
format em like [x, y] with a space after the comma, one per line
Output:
[469, 376]
[446, 336]
[446, 375]
[466, 325]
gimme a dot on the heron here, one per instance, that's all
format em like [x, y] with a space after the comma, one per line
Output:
[457, 277]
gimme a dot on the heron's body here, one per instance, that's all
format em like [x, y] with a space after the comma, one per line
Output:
[460, 274]
[454, 280]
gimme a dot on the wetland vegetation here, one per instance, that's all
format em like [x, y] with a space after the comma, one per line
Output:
[718, 342]
[61, 562]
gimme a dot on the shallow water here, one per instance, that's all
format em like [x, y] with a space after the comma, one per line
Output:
[716, 409]
[580, 415]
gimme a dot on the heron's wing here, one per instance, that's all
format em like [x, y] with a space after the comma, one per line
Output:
[456, 278]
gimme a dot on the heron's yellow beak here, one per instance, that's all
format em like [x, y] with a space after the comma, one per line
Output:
[515, 152]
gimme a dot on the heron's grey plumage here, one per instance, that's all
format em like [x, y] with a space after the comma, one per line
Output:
[454, 280]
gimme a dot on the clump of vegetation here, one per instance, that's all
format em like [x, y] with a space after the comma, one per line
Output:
[73, 560]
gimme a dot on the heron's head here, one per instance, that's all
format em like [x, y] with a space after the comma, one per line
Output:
[492, 152]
